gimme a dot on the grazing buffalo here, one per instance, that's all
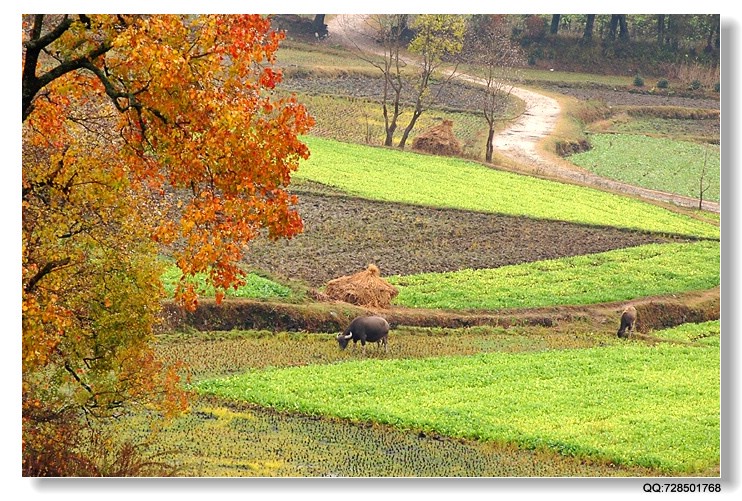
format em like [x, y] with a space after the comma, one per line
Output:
[372, 329]
[628, 321]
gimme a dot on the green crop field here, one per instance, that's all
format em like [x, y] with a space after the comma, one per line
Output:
[610, 276]
[290, 404]
[655, 163]
[255, 287]
[654, 406]
[398, 176]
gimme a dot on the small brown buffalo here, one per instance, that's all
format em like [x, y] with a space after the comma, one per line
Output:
[628, 321]
[372, 329]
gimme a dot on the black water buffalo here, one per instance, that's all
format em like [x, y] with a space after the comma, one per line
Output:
[628, 321]
[371, 329]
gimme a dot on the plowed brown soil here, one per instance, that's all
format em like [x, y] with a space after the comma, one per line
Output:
[342, 235]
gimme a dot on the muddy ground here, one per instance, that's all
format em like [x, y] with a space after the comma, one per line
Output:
[342, 235]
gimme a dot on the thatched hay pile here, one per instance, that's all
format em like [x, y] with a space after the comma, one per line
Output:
[438, 140]
[365, 288]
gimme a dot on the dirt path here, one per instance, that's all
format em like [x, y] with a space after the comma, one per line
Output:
[520, 141]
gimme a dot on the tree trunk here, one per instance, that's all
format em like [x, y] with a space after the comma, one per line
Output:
[319, 23]
[589, 25]
[613, 27]
[714, 30]
[415, 115]
[490, 143]
[672, 31]
[623, 33]
[389, 126]
[618, 25]
[555, 23]
[660, 29]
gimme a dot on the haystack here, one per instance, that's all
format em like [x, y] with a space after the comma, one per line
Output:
[439, 140]
[365, 288]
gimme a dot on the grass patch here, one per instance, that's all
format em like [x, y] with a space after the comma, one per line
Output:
[677, 129]
[221, 353]
[706, 333]
[255, 287]
[596, 278]
[398, 176]
[670, 112]
[533, 76]
[221, 439]
[633, 405]
[360, 121]
[295, 57]
[654, 163]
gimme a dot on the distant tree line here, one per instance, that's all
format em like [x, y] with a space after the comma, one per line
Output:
[674, 30]
[692, 33]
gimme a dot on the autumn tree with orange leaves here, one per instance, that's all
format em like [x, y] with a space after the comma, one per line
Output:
[142, 135]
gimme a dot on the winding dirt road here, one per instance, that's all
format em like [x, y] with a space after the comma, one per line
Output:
[521, 139]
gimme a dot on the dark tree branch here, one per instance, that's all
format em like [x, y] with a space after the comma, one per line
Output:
[37, 42]
[130, 97]
[32, 84]
[48, 268]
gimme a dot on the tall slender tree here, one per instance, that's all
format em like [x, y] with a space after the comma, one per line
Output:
[437, 36]
[555, 18]
[587, 35]
[499, 59]
[387, 30]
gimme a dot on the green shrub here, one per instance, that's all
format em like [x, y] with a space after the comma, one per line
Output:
[663, 83]
[255, 287]
[638, 81]
[695, 85]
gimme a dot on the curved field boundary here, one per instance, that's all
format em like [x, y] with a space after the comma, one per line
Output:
[520, 139]
[399, 176]
[655, 163]
[654, 406]
[617, 275]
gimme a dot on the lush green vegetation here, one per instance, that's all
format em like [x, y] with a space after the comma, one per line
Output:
[610, 276]
[632, 404]
[393, 175]
[677, 129]
[707, 333]
[565, 394]
[534, 76]
[222, 439]
[255, 287]
[655, 163]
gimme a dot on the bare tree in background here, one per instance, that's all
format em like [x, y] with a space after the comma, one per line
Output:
[499, 59]
[379, 42]
[437, 38]
[704, 185]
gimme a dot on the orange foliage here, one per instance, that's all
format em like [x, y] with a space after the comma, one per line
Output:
[141, 134]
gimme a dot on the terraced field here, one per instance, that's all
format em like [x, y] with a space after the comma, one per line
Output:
[566, 398]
